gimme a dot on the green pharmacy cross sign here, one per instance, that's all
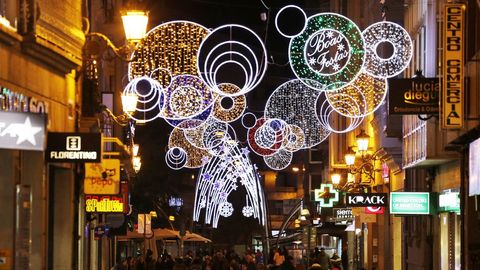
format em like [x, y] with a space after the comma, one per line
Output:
[326, 195]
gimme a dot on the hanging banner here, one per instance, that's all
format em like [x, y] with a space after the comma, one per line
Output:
[413, 96]
[102, 178]
[453, 62]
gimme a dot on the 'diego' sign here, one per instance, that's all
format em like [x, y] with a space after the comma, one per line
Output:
[366, 199]
[413, 96]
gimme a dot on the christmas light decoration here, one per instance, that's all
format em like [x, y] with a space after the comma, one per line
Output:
[223, 175]
[280, 160]
[150, 100]
[294, 103]
[393, 34]
[259, 150]
[220, 53]
[225, 113]
[291, 7]
[195, 156]
[176, 158]
[325, 113]
[249, 120]
[329, 50]
[365, 91]
[172, 46]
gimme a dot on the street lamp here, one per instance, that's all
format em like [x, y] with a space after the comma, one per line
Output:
[135, 24]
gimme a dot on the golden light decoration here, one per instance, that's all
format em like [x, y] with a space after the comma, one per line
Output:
[195, 156]
[171, 46]
[239, 104]
[360, 98]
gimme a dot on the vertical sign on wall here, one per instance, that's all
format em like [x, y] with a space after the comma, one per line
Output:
[453, 85]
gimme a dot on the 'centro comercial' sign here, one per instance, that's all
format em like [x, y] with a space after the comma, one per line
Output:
[410, 203]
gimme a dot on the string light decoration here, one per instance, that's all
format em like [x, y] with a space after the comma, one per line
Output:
[272, 134]
[195, 156]
[225, 51]
[396, 36]
[329, 50]
[225, 112]
[150, 99]
[176, 158]
[249, 120]
[219, 178]
[259, 150]
[325, 113]
[172, 46]
[295, 138]
[294, 103]
[198, 137]
[366, 91]
[286, 9]
[280, 160]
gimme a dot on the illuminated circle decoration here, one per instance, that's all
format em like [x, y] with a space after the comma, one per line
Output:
[249, 120]
[329, 50]
[150, 99]
[221, 176]
[186, 98]
[172, 46]
[226, 56]
[367, 93]
[290, 7]
[325, 113]
[222, 111]
[280, 160]
[247, 211]
[176, 158]
[199, 135]
[294, 103]
[398, 38]
[258, 149]
[271, 134]
[195, 156]
[295, 138]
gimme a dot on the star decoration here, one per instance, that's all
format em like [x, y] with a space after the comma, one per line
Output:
[26, 132]
[329, 34]
[336, 66]
[207, 176]
[245, 151]
[312, 61]
[340, 47]
[205, 160]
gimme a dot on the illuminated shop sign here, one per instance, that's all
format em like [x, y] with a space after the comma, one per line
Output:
[12, 101]
[410, 203]
[73, 147]
[453, 85]
[326, 196]
[343, 216]
[104, 204]
[413, 96]
[449, 202]
[22, 131]
[374, 210]
[102, 178]
[366, 199]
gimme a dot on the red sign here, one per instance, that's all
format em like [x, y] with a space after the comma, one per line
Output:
[374, 210]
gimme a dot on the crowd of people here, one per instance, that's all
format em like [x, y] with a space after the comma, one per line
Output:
[227, 260]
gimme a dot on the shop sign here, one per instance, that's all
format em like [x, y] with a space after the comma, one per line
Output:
[22, 131]
[104, 204]
[11, 101]
[453, 62]
[343, 216]
[366, 199]
[449, 202]
[413, 96]
[374, 210]
[102, 178]
[410, 203]
[326, 196]
[73, 147]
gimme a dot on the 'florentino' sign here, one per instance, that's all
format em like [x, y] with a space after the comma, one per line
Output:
[453, 85]
[413, 96]
[366, 199]
[73, 147]
[22, 131]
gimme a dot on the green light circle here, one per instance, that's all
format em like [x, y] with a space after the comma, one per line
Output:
[322, 22]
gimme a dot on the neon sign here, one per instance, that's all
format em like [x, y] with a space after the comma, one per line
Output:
[103, 204]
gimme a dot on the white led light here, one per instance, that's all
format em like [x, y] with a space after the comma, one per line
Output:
[282, 10]
[150, 101]
[280, 160]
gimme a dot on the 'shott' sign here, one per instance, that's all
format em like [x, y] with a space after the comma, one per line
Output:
[367, 199]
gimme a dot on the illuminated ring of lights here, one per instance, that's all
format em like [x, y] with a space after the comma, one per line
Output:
[195, 155]
[325, 111]
[225, 209]
[172, 46]
[295, 103]
[366, 91]
[295, 138]
[176, 158]
[272, 134]
[323, 22]
[261, 151]
[197, 136]
[150, 104]
[279, 161]
[219, 144]
[293, 7]
[398, 37]
[235, 111]
[247, 211]
[165, 78]
[209, 63]
[254, 118]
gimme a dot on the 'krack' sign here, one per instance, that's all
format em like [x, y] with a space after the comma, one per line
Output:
[453, 84]
[367, 199]
[73, 147]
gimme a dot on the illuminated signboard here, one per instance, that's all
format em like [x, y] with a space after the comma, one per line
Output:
[453, 85]
[104, 204]
[22, 131]
[102, 178]
[343, 216]
[410, 203]
[326, 195]
[449, 202]
[374, 210]
[413, 96]
[73, 147]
